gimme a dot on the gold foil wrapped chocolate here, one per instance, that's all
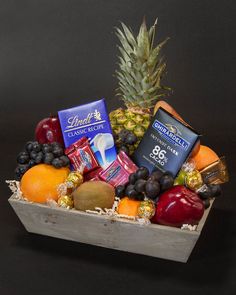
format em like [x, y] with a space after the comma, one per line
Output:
[146, 209]
[74, 179]
[66, 202]
[215, 173]
[65, 189]
[193, 180]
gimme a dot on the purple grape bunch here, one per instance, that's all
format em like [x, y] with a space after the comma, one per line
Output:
[127, 140]
[35, 153]
[143, 184]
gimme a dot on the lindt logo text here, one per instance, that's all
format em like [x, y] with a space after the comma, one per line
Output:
[76, 121]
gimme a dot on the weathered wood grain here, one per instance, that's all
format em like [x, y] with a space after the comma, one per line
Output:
[153, 240]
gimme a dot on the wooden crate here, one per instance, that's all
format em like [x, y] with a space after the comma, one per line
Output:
[120, 234]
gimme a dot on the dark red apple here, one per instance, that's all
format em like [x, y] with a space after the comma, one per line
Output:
[178, 206]
[49, 130]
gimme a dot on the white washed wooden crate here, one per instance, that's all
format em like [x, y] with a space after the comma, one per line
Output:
[120, 234]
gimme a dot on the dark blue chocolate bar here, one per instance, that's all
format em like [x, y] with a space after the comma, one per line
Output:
[166, 145]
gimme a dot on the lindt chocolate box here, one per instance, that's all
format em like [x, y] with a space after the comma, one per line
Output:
[166, 144]
[90, 120]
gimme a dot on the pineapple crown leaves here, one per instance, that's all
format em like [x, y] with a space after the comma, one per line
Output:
[140, 67]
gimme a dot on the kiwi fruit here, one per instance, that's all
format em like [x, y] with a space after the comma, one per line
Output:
[93, 194]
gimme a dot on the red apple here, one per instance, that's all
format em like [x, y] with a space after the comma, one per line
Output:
[49, 130]
[178, 206]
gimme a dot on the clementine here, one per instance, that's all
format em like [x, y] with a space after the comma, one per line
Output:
[40, 182]
[204, 157]
[128, 207]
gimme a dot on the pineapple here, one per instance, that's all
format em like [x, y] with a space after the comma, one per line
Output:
[140, 71]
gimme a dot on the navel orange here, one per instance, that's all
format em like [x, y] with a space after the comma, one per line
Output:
[204, 157]
[128, 207]
[40, 182]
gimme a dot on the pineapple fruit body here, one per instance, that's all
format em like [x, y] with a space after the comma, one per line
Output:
[139, 77]
[125, 119]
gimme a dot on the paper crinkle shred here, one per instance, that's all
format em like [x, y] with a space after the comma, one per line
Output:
[189, 227]
[14, 186]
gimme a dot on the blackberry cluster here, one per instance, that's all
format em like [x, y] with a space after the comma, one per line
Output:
[127, 140]
[35, 153]
[142, 184]
[210, 191]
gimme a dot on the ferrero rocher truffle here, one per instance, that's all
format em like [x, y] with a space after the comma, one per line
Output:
[92, 194]
[146, 209]
[65, 202]
[74, 179]
[193, 180]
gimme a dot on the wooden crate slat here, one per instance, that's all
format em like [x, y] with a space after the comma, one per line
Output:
[120, 234]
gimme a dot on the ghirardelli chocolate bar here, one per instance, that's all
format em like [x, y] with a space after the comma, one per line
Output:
[91, 121]
[166, 145]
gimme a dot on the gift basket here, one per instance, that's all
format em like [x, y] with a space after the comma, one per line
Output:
[136, 179]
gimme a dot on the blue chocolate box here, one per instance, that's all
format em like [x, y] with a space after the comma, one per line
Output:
[90, 120]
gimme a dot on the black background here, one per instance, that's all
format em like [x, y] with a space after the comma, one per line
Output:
[58, 54]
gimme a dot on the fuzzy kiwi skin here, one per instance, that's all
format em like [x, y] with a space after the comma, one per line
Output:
[93, 194]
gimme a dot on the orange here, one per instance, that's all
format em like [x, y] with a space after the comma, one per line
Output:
[195, 149]
[40, 182]
[128, 207]
[168, 108]
[204, 157]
